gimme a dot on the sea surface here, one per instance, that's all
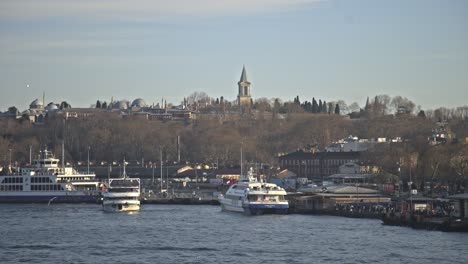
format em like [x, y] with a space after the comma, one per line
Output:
[60, 233]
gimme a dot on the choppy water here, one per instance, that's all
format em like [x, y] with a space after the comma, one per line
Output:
[204, 234]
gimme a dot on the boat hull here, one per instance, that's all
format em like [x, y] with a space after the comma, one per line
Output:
[121, 206]
[259, 209]
[254, 209]
[50, 198]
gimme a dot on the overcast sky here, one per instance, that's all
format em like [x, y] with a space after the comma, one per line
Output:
[83, 50]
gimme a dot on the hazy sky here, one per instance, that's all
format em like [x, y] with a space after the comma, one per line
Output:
[83, 50]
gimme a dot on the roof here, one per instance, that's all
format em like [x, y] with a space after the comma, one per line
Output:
[139, 102]
[243, 77]
[350, 176]
[300, 154]
[36, 103]
[461, 196]
[349, 189]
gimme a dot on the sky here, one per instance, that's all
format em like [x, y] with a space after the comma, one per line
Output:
[80, 51]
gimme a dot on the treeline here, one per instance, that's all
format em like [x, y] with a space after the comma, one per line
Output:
[217, 138]
[206, 139]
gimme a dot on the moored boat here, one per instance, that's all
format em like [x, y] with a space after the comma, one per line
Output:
[121, 194]
[252, 197]
[45, 181]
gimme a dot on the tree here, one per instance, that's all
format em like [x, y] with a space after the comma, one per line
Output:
[314, 106]
[13, 110]
[64, 105]
[104, 105]
[354, 107]
[422, 114]
[98, 104]
[320, 106]
[324, 107]
[368, 106]
[459, 163]
[337, 109]
[402, 104]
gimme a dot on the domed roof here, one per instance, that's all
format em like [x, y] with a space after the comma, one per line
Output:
[120, 105]
[51, 107]
[139, 103]
[36, 104]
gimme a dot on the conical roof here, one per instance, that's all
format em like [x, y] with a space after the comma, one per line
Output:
[244, 75]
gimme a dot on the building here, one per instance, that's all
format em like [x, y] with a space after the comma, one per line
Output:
[316, 165]
[326, 199]
[243, 98]
[356, 144]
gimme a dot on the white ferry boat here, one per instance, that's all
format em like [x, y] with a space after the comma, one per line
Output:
[121, 194]
[45, 181]
[252, 197]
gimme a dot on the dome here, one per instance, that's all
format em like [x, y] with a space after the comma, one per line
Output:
[139, 103]
[36, 104]
[120, 105]
[51, 107]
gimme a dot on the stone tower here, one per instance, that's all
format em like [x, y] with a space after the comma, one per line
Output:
[243, 97]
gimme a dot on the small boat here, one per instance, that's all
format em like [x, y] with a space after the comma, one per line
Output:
[252, 197]
[121, 194]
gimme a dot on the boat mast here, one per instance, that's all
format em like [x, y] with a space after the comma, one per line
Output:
[63, 155]
[241, 161]
[124, 172]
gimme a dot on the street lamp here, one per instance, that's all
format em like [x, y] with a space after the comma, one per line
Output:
[10, 156]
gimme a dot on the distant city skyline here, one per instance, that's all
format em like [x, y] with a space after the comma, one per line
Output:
[81, 51]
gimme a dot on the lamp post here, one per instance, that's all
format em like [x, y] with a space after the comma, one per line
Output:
[152, 166]
[160, 155]
[10, 157]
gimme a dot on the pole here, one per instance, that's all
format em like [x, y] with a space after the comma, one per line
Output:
[89, 147]
[178, 149]
[10, 157]
[152, 166]
[30, 155]
[160, 155]
[241, 161]
[63, 156]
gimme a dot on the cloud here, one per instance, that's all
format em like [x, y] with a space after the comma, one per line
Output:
[140, 9]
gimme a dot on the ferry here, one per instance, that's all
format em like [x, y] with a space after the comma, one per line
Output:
[121, 194]
[45, 181]
[251, 197]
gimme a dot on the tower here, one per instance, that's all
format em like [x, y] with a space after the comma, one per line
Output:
[243, 97]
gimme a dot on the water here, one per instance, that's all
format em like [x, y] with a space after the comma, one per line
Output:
[204, 234]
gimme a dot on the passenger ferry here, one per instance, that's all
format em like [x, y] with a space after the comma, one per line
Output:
[44, 181]
[121, 194]
[252, 197]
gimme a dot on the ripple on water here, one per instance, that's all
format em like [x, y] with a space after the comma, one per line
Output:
[203, 234]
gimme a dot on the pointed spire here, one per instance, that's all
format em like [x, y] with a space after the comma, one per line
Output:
[244, 75]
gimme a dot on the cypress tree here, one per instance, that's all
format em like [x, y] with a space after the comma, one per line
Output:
[314, 106]
[324, 107]
[98, 104]
[337, 109]
[367, 107]
[320, 106]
